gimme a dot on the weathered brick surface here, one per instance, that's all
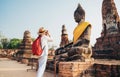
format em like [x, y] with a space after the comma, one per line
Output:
[106, 72]
[98, 68]
[75, 69]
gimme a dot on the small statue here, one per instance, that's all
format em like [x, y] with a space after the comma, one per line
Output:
[80, 49]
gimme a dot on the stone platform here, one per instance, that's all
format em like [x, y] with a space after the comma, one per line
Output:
[96, 68]
[76, 69]
[106, 68]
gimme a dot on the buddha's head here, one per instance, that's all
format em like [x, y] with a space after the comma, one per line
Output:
[79, 14]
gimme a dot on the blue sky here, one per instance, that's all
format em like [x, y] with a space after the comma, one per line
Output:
[16, 16]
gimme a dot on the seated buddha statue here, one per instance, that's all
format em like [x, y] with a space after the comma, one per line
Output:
[80, 49]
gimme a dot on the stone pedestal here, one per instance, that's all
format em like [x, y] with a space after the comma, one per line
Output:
[107, 68]
[76, 69]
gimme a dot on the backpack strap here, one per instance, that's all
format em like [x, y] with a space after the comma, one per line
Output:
[40, 42]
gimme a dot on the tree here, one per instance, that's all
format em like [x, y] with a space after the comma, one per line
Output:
[1, 46]
[14, 43]
[4, 42]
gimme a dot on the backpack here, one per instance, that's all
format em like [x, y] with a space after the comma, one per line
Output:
[36, 46]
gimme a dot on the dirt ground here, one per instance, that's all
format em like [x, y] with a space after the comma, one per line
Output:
[11, 68]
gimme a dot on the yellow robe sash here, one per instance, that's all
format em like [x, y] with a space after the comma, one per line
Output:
[79, 30]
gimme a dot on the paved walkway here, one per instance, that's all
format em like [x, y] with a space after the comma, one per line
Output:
[11, 68]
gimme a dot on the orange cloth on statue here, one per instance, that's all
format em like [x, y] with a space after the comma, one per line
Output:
[79, 30]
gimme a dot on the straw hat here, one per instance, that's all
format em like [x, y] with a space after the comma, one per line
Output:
[41, 31]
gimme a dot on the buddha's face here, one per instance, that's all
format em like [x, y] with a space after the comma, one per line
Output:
[78, 17]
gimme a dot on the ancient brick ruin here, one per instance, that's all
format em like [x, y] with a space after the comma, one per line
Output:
[106, 51]
[108, 44]
[64, 37]
[25, 50]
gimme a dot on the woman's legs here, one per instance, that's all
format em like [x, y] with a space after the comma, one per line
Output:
[42, 65]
